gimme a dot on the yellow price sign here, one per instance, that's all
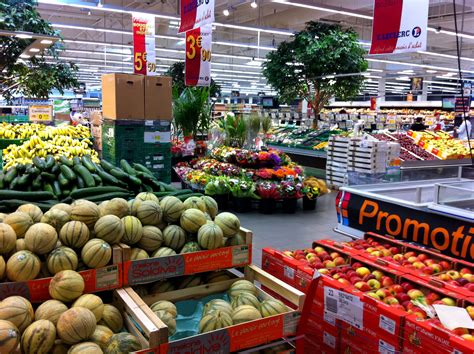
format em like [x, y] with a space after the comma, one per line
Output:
[43, 113]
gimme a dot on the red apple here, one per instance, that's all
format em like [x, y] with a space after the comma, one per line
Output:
[444, 277]
[422, 257]
[344, 281]
[436, 268]
[468, 337]
[470, 287]
[470, 311]
[382, 293]
[377, 274]
[429, 262]
[325, 257]
[406, 304]
[355, 279]
[448, 301]
[356, 265]
[396, 289]
[419, 313]
[415, 293]
[445, 265]
[412, 259]
[460, 331]
[386, 281]
[374, 284]
[427, 270]
[462, 281]
[339, 261]
[465, 271]
[319, 249]
[329, 264]
[323, 271]
[409, 254]
[362, 286]
[406, 286]
[398, 307]
[402, 297]
[288, 253]
[398, 257]
[374, 295]
[318, 265]
[432, 297]
[453, 274]
[376, 254]
[334, 255]
[351, 274]
[368, 277]
[418, 265]
[393, 250]
[390, 300]
[469, 277]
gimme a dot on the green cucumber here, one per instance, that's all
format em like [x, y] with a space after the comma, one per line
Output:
[108, 196]
[80, 182]
[141, 168]
[135, 181]
[127, 168]
[23, 181]
[65, 161]
[92, 191]
[56, 189]
[76, 160]
[97, 179]
[87, 162]
[167, 187]
[49, 164]
[39, 162]
[6, 194]
[48, 176]
[20, 168]
[10, 175]
[63, 181]
[85, 175]
[47, 187]
[181, 192]
[14, 184]
[106, 165]
[162, 194]
[67, 172]
[13, 204]
[147, 188]
[56, 169]
[107, 178]
[183, 197]
[118, 173]
[37, 183]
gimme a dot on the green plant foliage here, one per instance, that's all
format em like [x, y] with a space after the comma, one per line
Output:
[176, 71]
[192, 111]
[299, 68]
[235, 128]
[34, 77]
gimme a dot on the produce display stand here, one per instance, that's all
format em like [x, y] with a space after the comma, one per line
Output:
[142, 322]
[105, 278]
[422, 212]
[153, 269]
[308, 158]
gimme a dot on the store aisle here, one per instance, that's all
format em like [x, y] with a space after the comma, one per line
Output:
[292, 231]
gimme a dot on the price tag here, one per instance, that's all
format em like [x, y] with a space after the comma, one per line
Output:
[387, 324]
[380, 126]
[43, 113]
[157, 137]
[346, 307]
[297, 115]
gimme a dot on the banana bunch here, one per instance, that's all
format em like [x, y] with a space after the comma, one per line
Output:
[26, 131]
[57, 146]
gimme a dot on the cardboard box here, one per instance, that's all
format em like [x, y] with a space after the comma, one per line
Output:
[158, 98]
[123, 96]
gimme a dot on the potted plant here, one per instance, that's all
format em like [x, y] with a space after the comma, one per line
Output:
[268, 192]
[218, 188]
[290, 192]
[243, 191]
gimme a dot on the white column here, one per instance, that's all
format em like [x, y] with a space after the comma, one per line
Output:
[424, 92]
[381, 89]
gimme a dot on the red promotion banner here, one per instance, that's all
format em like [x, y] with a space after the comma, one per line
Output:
[198, 56]
[144, 58]
[195, 14]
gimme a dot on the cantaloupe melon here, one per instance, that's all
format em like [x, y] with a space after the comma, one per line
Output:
[245, 313]
[192, 219]
[138, 253]
[122, 343]
[20, 222]
[133, 206]
[219, 305]
[166, 306]
[163, 252]
[109, 228]
[236, 240]
[59, 347]
[3, 268]
[152, 238]
[56, 218]
[32, 210]
[174, 237]
[86, 212]
[22, 266]
[215, 277]
[133, 230]
[50, 310]
[149, 213]
[74, 234]
[66, 286]
[215, 320]
[85, 348]
[18, 311]
[272, 307]
[190, 247]
[210, 236]
[67, 208]
[245, 298]
[101, 336]
[116, 206]
[91, 302]
[168, 319]
[19, 245]
[195, 203]
[9, 337]
[172, 208]
[7, 238]
[96, 253]
[41, 238]
[229, 223]
[75, 325]
[242, 286]
[163, 286]
[112, 318]
[189, 281]
[144, 196]
[38, 337]
[62, 258]
[211, 206]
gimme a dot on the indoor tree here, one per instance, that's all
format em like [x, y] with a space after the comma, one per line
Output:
[33, 77]
[318, 63]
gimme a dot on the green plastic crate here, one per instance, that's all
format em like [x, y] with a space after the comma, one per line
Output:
[6, 142]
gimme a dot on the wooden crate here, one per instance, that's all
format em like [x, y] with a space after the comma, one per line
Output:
[153, 333]
[154, 269]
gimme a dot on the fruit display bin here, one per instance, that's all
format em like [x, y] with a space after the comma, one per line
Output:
[154, 269]
[153, 333]
[96, 280]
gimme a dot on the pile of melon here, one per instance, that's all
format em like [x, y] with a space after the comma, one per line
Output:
[244, 306]
[81, 235]
[69, 323]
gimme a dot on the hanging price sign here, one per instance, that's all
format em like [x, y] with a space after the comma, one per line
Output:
[43, 113]
[198, 56]
[144, 56]
[195, 14]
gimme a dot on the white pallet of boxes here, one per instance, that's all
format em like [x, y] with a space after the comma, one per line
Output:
[336, 165]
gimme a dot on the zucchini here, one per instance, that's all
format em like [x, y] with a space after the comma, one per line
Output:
[76, 160]
[65, 193]
[92, 191]
[141, 168]
[167, 187]
[108, 196]
[34, 171]
[49, 164]
[14, 184]
[56, 188]
[63, 181]
[127, 168]
[135, 181]
[106, 165]
[39, 162]
[37, 184]
[65, 161]
[22, 181]
[87, 162]
[10, 175]
[13, 204]
[47, 187]
[6, 194]
[97, 179]
[107, 178]
[80, 182]
[67, 173]
[20, 168]
[67, 200]
[85, 175]
[148, 188]
[55, 170]
[118, 173]
[48, 176]
[181, 192]
[183, 197]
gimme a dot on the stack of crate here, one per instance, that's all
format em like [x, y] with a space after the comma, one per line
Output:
[336, 165]
[137, 121]
[372, 156]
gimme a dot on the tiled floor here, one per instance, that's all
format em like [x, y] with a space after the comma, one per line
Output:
[292, 231]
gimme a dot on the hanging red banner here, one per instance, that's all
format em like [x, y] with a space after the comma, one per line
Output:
[144, 57]
[195, 14]
[198, 56]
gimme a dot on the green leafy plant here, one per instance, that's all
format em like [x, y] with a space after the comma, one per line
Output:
[34, 77]
[242, 188]
[192, 111]
[266, 124]
[254, 123]
[307, 66]
[176, 72]
[217, 186]
[235, 128]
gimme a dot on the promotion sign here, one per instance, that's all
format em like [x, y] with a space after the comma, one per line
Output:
[198, 56]
[43, 113]
[144, 56]
[196, 13]
[399, 26]
[450, 236]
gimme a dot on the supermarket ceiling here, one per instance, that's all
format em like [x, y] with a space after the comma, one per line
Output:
[98, 38]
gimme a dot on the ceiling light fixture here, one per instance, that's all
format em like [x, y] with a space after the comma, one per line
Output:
[23, 36]
[226, 12]
[34, 50]
[326, 9]
[25, 56]
[46, 41]
[431, 71]
[254, 4]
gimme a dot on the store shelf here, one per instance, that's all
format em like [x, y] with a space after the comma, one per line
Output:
[302, 152]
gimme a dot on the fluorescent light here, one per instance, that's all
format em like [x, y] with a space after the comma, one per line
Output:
[34, 50]
[417, 65]
[226, 12]
[446, 56]
[325, 9]
[431, 71]
[25, 56]
[46, 41]
[23, 36]
[254, 4]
